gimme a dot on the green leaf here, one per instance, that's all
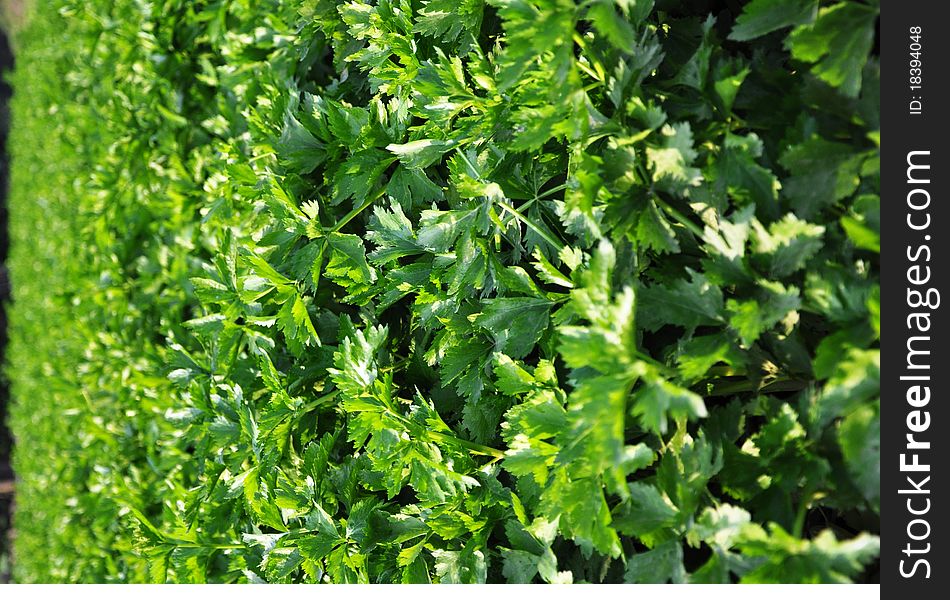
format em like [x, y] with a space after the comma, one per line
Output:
[300, 151]
[753, 317]
[612, 25]
[448, 19]
[701, 353]
[420, 153]
[646, 511]
[671, 161]
[863, 236]
[760, 17]
[720, 526]
[688, 303]
[512, 379]
[516, 324]
[856, 380]
[789, 243]
[519, 566]
[823, 559]
[465, 566]
[356, 361]
[393, 235]
[822, 172]
[860, 438]
[658, 400]
[654, 231]
[663, 564]
[359, 175]
[838, 42]
[584, 514]
[347, 264]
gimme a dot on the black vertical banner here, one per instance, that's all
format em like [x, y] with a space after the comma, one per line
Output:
[915, 378]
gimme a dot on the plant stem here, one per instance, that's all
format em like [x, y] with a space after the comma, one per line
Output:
[666, 370]
[315, 403]
[474, 448]
[782, 384]
[679, 217]
[357, 210]
[537, 229]
[802, 512]
[208, 546]
[551, 191]
[471, 446]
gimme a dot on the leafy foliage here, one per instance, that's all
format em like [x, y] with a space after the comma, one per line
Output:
[428, 291]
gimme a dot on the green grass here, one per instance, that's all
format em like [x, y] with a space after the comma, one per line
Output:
[444, 291]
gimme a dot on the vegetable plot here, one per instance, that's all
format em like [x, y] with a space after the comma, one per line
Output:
[446, 291]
